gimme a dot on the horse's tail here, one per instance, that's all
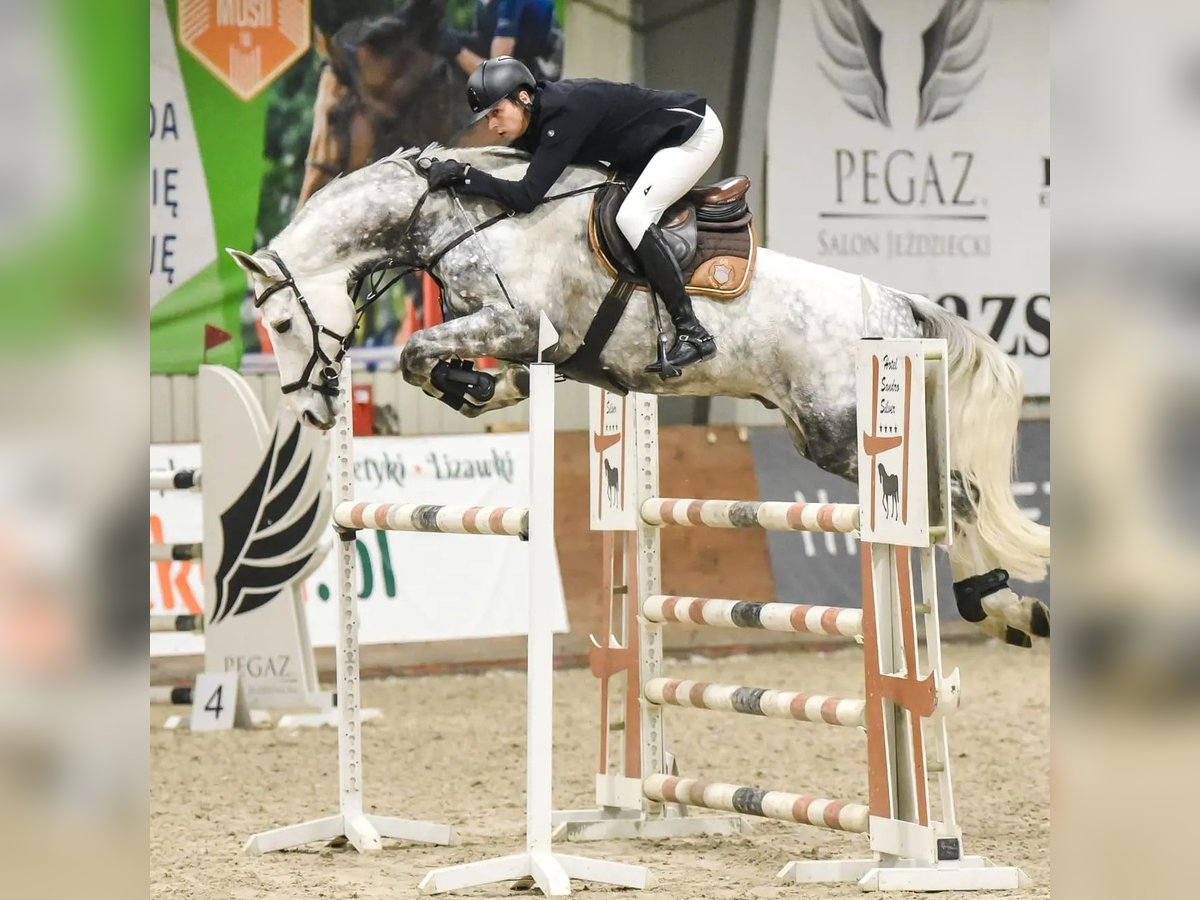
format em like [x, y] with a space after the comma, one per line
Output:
[986, 391]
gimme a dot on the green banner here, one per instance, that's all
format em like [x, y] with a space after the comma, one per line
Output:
[206, 158]
[232, 94]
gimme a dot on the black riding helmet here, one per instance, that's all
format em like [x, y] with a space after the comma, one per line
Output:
[496, 79]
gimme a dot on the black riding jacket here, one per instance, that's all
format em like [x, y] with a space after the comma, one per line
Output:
[590, 121]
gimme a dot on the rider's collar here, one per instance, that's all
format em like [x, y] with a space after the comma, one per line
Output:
[535, 115]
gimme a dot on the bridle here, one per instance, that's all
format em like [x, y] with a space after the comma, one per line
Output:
[328, 385]
[378, 284]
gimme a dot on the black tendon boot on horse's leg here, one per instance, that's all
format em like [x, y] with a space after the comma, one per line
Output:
[693, 343]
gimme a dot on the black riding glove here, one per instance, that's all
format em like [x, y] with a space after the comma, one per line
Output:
[446, 173]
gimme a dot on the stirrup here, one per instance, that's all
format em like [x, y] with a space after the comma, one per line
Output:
[706, 347]
[663, 364]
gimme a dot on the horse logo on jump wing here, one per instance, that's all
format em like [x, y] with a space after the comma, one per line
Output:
[612, 482]
[890, 485]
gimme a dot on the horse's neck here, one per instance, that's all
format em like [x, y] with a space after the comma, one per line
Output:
[312, 259]
[310, 251]
[512, 242]
[440, 221]
[306, 244]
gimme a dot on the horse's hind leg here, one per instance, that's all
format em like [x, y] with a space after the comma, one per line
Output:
[495, 332]
[826, 437]
[981, 584]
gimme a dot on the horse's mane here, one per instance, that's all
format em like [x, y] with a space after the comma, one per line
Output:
[488, 159]
[485, 158]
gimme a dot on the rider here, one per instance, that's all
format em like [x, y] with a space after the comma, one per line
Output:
[668, 138]
[521, 28]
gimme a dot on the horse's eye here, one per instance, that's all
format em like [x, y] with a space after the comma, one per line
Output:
[283, 326]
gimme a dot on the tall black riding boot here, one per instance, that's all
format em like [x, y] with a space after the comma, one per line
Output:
[693, 343]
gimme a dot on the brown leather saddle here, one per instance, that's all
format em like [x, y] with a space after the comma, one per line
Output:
[710, 231]
[711, 234]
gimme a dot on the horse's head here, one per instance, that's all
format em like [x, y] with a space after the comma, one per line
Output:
[310, 319]
[390, 57]
[355, 234]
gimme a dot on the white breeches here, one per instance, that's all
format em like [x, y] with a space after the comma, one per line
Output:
[670, 174]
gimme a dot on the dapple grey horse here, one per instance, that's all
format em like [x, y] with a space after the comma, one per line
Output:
[790, 341]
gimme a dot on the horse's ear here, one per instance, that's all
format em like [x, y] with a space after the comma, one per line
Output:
[250, 264]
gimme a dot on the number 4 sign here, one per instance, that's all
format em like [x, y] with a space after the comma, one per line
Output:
[218, 703]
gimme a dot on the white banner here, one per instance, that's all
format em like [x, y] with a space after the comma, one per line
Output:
[413, 587]
[909, 142]
[182, 239]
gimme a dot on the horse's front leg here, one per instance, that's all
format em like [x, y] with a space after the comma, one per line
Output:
[510, 388]
[431, 360]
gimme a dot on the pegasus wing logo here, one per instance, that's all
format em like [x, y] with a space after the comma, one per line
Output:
[954, 46]
[271, 532]
[853, 42]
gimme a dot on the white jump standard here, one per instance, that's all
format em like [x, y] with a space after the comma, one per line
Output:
[363, 830]
[907, 697]
[551, 872]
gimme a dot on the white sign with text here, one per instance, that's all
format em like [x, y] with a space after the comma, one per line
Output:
[911, 145]
[892, 471]
[413, 587]
[612, 456]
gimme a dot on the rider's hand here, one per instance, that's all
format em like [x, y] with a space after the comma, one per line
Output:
[446, 173]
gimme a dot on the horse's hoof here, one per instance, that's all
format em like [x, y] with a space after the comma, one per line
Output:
[1014, 637]
[1040, 621]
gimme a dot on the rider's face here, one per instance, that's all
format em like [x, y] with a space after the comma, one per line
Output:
[507, 119]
